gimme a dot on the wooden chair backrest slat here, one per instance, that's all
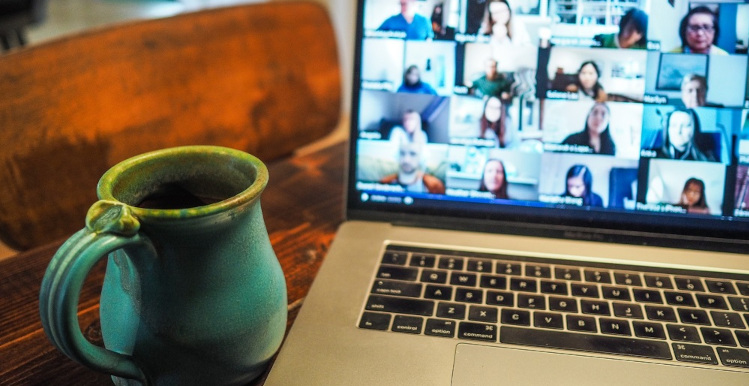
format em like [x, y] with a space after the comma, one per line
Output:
[263, 78]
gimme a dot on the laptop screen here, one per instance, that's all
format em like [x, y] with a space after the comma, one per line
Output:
[618, 115]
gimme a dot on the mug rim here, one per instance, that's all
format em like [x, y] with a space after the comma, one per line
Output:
[105, 188]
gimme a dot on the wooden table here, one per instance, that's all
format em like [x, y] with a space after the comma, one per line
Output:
[302, 205]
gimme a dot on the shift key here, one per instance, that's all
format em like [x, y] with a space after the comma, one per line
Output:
[400, 305]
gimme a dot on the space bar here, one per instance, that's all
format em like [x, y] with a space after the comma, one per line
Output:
[584, 342]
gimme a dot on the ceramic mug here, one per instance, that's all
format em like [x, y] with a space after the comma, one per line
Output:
[193, 292]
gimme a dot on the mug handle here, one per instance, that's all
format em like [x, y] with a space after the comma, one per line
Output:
[109, 226]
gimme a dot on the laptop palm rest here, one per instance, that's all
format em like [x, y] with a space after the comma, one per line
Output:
[479, 365]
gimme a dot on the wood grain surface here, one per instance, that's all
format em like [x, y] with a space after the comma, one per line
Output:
[263, 78]
[302, 206]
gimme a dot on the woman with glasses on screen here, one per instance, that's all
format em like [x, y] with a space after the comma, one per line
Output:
[699, 31]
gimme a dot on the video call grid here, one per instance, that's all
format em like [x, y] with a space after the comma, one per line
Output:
[640, 90]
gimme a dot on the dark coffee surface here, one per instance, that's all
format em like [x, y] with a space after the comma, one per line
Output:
[175, 197]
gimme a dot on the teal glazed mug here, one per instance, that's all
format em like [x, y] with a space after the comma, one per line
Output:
[193, 292]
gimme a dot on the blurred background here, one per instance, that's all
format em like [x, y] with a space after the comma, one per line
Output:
[62, 17]
[57, 18]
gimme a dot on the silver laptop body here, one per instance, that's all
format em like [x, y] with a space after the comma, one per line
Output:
[450, 272]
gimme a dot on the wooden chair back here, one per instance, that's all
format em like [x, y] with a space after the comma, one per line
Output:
[263, 78]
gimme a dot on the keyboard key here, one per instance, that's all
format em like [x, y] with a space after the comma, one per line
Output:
[679, 298]
[628, 310]
[693, 316]
[648, 330]
[375, 321]
[581, 323]
[439, 277]
[597, 276]
[477, 331]
[479, 265]
[525, 285]
[407, 324]
[735, 357]
[483, 314]
[497, 298]
[516, 317]
[423, 261]
[647, 296]
[493, 282]
[548, 320]
[611, 315]
[717, 336]
[395, 258]
[468, 295]
[689, 284]
[712, 301]
[539, 271]
[584, 290]
[567, 273]
[452, 263]
[720, 287]
[727, 319]
[397, 273]
[439, 327]
[742, 337]
[451, 310]
[438, 292]
[594, 307]
[615, 326]
[562, 304]
[694, 353]
[463, 279]
[739, 304]
[554, 287]
[531, 301]
[400, 305]
[683, 333]
[585, 342]
[624, 278]
[615, 293]
[664, 314]
[508, 268]
[397, 288]
[663, 282]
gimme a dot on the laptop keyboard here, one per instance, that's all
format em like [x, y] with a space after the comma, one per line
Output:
[665, 314]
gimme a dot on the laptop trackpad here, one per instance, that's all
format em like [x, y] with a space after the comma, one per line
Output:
[489, 365]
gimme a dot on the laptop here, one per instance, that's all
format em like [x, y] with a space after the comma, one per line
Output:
[538, 192]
